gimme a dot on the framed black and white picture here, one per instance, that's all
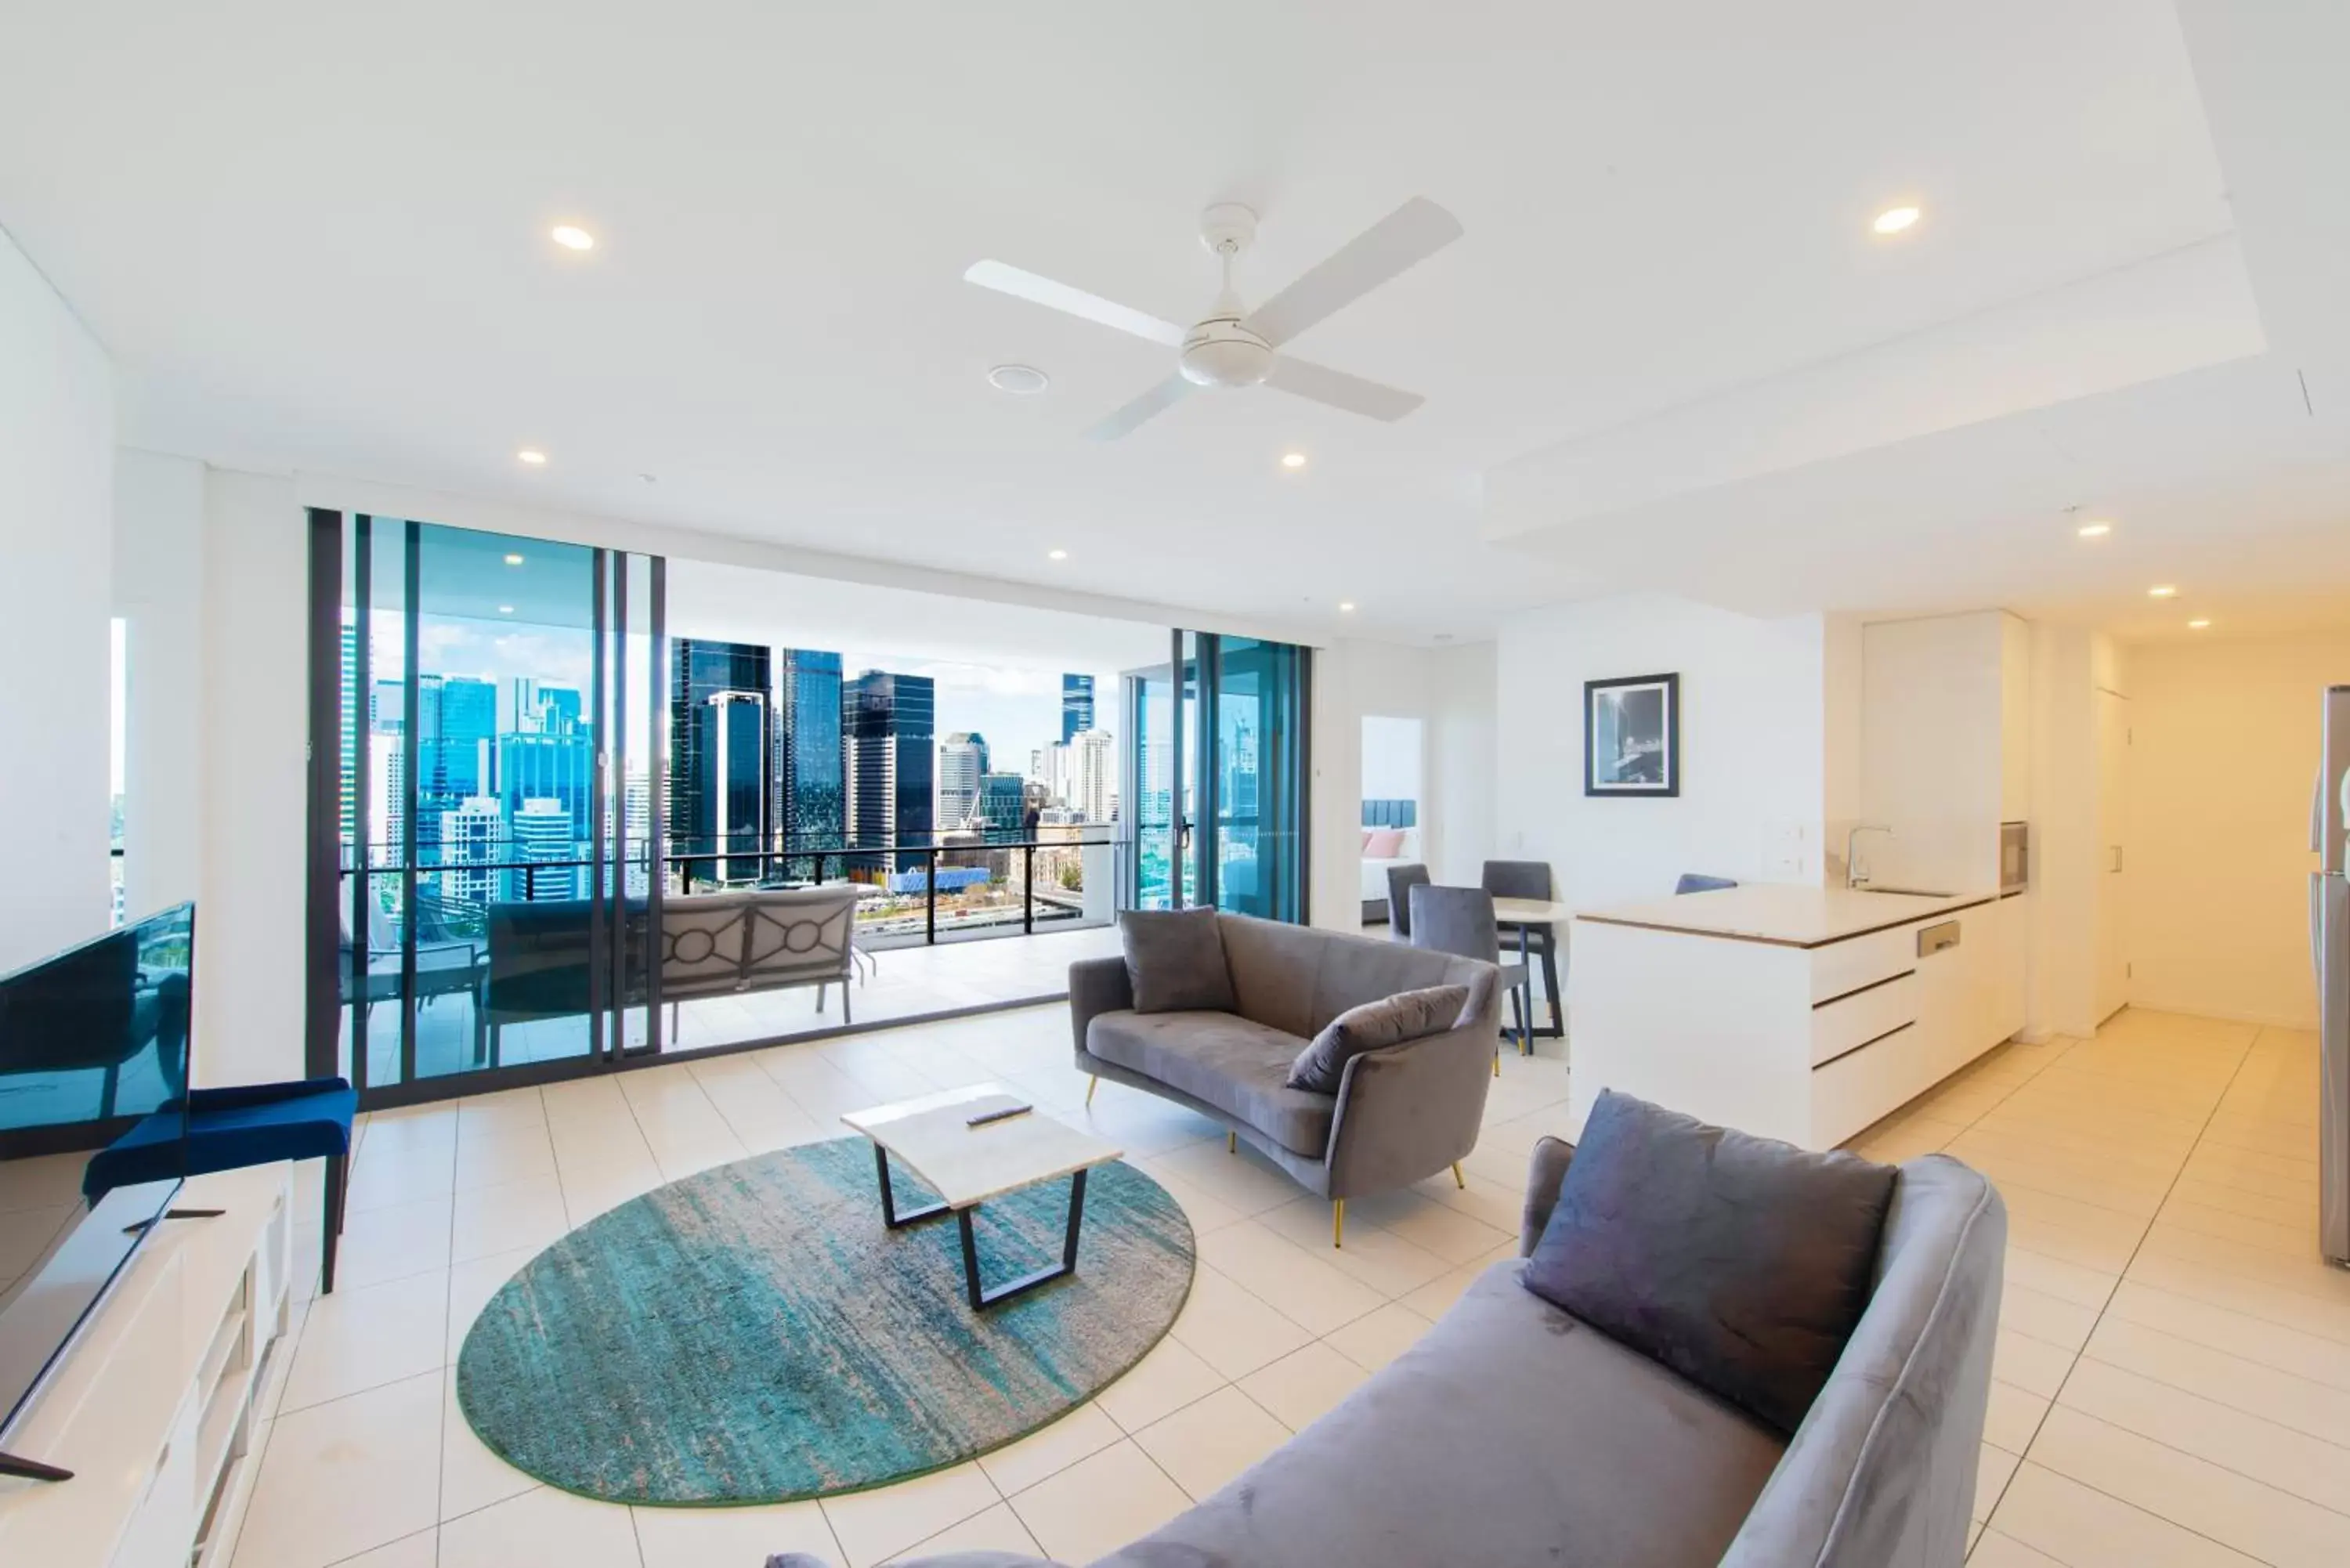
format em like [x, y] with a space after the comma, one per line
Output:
[1632, 736]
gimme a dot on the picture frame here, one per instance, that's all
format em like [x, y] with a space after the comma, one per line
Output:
[1632, 736]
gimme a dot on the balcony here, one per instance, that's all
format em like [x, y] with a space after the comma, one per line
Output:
[939, 929]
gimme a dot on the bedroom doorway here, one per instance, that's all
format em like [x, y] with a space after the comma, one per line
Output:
[1393, 768]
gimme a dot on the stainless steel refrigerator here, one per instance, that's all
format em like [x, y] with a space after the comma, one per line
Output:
[2329, 943]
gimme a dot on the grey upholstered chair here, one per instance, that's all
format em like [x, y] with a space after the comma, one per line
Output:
[1696, 882]
[1401, 881]
[1531, 879]
[1460, 921]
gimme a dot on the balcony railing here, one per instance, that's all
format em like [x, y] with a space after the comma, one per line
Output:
[923, 903]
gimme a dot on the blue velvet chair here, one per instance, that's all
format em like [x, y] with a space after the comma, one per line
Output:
[252, 1123]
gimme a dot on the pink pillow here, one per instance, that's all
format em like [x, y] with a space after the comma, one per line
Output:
[1384, 843]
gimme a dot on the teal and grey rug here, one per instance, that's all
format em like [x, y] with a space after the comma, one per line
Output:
[753, 1334]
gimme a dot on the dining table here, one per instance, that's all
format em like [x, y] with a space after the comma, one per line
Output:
[1523, 915]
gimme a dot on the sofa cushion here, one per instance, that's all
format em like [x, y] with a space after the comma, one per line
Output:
[1175, 959]
[1373, 1026]
[1511, 1434]
[1232, 1064]
[1741, 1263]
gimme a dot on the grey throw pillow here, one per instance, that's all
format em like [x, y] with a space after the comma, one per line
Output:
[1391, 1021]
[1175, 960]
[1738, 1261]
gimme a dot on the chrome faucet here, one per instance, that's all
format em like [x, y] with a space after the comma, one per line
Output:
[1852, 875]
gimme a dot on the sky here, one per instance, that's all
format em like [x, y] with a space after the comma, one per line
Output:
[1018, 709]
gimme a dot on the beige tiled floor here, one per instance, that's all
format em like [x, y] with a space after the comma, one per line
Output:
[2173, 1370]
[2174, 1364]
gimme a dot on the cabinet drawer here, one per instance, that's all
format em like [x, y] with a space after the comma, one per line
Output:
[1853, 1020]
[1847, 966]
[1864, 1086]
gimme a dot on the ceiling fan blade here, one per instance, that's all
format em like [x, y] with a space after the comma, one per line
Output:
[1303, 378]
[1157, 400]
[1404, 237]
[1007, 280]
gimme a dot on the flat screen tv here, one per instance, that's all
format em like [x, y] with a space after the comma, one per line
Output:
[91, 1041]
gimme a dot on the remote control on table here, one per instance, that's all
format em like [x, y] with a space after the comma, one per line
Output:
[1006, 1114]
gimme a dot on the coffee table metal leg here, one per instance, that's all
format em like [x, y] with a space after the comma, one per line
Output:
[889, 1215]
[1068, 1265]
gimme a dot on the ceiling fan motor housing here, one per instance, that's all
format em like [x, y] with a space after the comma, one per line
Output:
[1222, 352]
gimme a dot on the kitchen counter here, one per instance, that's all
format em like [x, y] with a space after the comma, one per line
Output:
[1783, 914]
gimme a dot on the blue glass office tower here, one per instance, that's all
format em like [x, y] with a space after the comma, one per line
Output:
[699, 669]
[808, 750]
[887, 729]
[1076, 705]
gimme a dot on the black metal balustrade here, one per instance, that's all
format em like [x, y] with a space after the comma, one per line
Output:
[452, 918]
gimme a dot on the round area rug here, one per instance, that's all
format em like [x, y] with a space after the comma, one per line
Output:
[753, 1333]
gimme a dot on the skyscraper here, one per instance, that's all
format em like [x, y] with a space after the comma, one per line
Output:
[962, 763]
[699, 669]
[807, 746]
[1076, 706]
[1003, 805]
[732, 753]
[469, 835]
[1092, 789]
[559, 767]
[886, 741]
[543, 836]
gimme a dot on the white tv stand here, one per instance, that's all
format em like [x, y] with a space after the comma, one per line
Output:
[151, 1407]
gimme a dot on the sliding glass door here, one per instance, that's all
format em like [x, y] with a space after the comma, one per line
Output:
[1220, 760]
[488, 702]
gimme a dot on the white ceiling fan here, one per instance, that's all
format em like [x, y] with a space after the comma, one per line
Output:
[1232, 347]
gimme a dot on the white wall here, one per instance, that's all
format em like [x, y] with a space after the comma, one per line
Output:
[1755, 745]
[57, 460]
[2225, 754]
[254, 778]
[1462, 742]
[159, 574]
[1393, 752]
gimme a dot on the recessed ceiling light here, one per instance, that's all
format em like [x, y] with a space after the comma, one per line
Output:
[1056, 555]
[533, 456]
[506, 609]
[572, 238]
[1893, 220]
[1293, 460]
[1020, 380]
[2163, 591]
[2198, 624]
[514, 560]
[2095, 530]
[1346, 606]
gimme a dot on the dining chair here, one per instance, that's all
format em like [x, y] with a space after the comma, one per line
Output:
[1460, 920]
[1531, 879]
[1401, 881]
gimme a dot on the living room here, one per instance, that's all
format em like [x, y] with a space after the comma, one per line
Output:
[1895, 496]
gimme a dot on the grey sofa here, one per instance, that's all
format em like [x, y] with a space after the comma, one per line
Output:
[1401, 1115]
[1512, 1434]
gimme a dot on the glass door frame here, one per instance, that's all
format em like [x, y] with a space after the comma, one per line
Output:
[329, 975]
[1194, 864]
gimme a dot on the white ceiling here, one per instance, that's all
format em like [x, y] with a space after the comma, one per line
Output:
[314, 238]
[783, 610]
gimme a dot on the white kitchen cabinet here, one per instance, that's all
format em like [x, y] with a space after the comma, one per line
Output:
[1945, 745]
[1801, 1013]
[2012, 974]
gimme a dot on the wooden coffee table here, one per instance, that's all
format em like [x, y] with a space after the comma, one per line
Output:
[968, 1165]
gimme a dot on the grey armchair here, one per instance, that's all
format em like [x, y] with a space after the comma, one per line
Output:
[1401, 881]
[1533, 880]
[1460, 920]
